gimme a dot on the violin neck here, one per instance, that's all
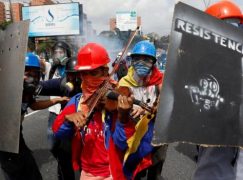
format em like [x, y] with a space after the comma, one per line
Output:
[143, 105]
[114, 96]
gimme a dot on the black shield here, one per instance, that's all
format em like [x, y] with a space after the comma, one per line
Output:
[201, 97]
[13, 47]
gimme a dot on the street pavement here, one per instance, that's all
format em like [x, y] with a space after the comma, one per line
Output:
[179, 164]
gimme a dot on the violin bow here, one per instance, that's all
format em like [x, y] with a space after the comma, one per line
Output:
[92, 101]
[124, 51]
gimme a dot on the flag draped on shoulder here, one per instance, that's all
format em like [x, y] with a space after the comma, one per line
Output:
[134, 139]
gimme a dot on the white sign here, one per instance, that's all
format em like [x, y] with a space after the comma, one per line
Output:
[126, 20]
[51, 20]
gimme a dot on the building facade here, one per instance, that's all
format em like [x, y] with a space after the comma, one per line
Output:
[41, 2]
[2, 12]
[14, 13]
[17, 11]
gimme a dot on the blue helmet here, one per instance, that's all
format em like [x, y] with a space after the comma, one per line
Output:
[31, 60]
[144, 48]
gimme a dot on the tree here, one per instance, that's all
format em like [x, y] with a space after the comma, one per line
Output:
[4, 24]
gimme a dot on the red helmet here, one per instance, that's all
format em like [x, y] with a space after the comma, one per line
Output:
[91, 56]
[224, 9]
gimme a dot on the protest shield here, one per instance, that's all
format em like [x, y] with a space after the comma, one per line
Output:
[201, 98]
[13, 47]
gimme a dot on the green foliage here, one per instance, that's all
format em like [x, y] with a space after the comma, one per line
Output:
[4, 24]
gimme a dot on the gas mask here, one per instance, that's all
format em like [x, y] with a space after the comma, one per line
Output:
[30, 85]
[60, 57]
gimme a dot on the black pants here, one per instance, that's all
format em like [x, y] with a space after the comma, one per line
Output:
[64, 167]
[61, 150]
[21, 166]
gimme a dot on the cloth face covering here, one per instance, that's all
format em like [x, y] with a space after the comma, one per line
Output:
[142, 67]
[90, 84]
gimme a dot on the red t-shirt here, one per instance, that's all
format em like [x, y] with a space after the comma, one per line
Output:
[91, 154]
[94, 156]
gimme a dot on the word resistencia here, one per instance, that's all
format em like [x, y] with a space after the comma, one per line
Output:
[189, 28]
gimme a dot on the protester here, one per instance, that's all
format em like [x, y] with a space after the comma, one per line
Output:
[122, 69]
[61, 53]
[22, 165]
[68, 86]
[45, 66]
[145, 81]
[88, 143]
[218, 163]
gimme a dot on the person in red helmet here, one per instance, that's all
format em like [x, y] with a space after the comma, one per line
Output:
[219, 163]
[88, 143]
[225, 10]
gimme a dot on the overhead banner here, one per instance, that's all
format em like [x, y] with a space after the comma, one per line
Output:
[13, 47]
[202, 95]
[53, 20]
[126, 20]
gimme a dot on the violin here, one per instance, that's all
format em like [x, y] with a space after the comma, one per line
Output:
[109, 101]
[112, 97]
